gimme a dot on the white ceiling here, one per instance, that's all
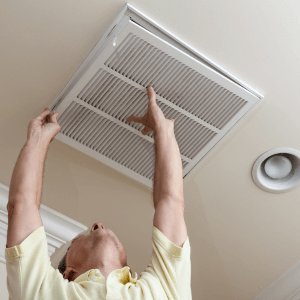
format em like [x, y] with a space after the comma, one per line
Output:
[242, 238]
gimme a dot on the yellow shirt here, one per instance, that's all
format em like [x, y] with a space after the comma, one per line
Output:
[31, 276]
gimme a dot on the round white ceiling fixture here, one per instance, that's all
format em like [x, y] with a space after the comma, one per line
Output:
[277, 170]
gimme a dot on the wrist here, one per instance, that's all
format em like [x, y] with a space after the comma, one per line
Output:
[159, 131]
[165, 129]
[33, 141]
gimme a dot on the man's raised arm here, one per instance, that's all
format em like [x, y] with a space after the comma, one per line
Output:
[26, 182]
[168, 182]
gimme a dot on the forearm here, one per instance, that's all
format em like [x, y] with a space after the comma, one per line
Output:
[168, 181]
[27, 178]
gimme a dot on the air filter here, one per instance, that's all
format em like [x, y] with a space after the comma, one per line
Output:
[110, 85]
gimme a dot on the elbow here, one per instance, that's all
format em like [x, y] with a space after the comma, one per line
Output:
[178, 200]
[172, 199]
[176, 197]
[13, 201]
[9, 207]
[20, 200]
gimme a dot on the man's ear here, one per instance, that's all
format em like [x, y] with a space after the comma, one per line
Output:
[68, 273]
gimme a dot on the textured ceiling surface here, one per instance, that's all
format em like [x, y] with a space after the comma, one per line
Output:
[242, 238]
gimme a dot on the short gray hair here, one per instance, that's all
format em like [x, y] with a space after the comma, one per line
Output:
[62, 264]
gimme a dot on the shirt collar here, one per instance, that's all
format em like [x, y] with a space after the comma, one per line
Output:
[120, 275]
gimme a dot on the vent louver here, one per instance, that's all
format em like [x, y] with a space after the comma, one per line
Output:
[120, 100]
[111, 86]
[92, 130]
[174, 81]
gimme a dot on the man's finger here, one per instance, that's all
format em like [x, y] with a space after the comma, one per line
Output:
[134, 119]
[53, 118]
[151, 94]
[45, 113]
[146, 130]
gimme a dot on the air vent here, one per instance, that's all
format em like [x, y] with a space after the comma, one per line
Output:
[119, 99]
[111, 85]
[174, 81]
[109, 139]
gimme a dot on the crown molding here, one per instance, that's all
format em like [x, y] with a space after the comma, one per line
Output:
[59, 228]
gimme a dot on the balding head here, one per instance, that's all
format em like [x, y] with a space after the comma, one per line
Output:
[100, 249]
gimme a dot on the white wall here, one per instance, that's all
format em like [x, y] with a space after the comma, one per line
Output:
[3, 287]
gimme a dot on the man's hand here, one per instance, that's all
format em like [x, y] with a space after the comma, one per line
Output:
[154, 119]
[44, 127]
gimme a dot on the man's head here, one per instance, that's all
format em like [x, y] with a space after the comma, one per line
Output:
[100, 249]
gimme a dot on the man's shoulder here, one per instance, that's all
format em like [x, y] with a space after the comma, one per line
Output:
[160, 239]
[21, 249]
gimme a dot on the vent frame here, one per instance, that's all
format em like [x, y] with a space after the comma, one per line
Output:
[96, 60]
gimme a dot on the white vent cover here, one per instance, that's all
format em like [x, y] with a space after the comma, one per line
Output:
[205, 101]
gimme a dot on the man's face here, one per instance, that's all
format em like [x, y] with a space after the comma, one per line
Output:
[101, 246]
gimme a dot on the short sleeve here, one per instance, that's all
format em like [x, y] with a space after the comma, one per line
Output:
[29, 271]
[172, 265]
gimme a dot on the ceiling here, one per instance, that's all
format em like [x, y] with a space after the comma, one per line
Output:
[242, 238]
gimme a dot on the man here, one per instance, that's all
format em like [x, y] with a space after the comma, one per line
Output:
[95, 265]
